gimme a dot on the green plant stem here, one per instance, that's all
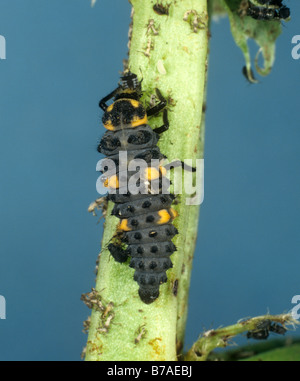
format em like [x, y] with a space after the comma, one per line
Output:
[168, 53]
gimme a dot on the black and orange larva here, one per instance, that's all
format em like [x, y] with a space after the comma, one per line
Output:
[262, 330]
[145, 230]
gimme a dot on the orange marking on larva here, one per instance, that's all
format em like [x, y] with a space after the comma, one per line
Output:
[112, 182]
[163, 170]
[164, 217]
[109, 108]
[151, 173]
[134, 103]
[136, 121]
[123, 225]
[109, 126]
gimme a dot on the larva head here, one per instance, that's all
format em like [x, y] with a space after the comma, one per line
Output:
[130, 81]
[129, 87]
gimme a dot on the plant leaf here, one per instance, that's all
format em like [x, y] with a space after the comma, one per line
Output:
[288, 353]
[264, 33]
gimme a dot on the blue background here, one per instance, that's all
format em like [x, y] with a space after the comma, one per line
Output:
[62, 57]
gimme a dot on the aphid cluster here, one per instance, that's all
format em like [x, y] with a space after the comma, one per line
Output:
[145, 229]
[268, 10]
[94, 301]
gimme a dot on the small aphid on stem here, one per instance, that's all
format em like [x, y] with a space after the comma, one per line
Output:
[141, 333]
[86, 325]
[83, 353]
[108, 308]
[99, 204]
[107, 323]
[93, 300]
[196, 21]
[149, 47]
[151, 26]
